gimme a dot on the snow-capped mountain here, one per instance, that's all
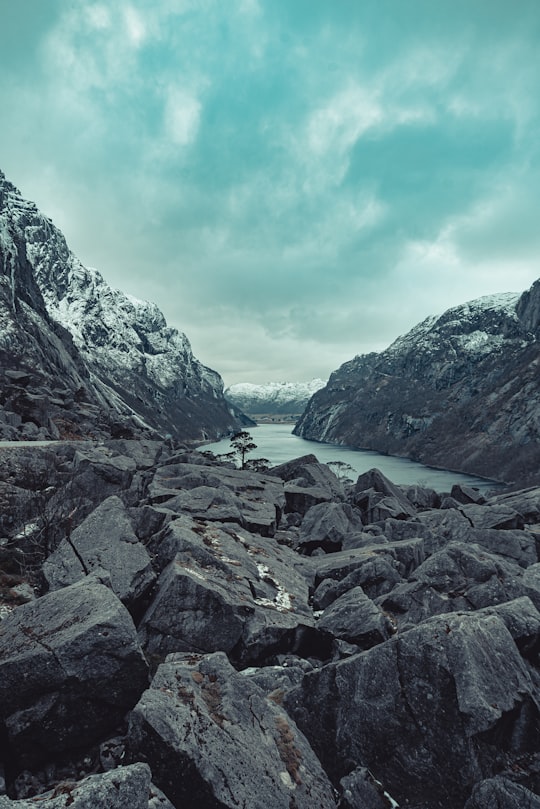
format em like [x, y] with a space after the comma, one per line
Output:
[273, 398]
[459, 391]
[132, 361]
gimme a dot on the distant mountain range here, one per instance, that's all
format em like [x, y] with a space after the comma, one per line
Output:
[80, 358]
[272, 398]
[460, 391]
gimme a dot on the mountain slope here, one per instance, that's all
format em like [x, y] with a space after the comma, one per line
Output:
[132, 361]
[273, 397]
[459, 391]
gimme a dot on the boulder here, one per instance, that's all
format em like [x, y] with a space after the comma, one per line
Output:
[293, 469]
[360, 790]
[525, 502]
[501, 792]
[353, 617]
[377, 575]
[213, 739]
[299, 499]
[123, 788]
[498, 516]
[467, 494]
[379, 498]
[251, 499]
[408, 554]
[376, 507]
[422, 497]
[422, 710]
[445, 525]
[325, 526]
[104, 540]
[70, 668]
[514, 545]
[459, 577]
[228, 590]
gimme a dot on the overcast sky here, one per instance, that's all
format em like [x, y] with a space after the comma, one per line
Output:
[293, 182]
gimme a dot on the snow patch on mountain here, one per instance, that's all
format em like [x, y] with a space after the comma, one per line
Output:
[273, 397]
[139, 363]
[472, 327]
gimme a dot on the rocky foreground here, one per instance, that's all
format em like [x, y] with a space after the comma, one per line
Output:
[177, 632]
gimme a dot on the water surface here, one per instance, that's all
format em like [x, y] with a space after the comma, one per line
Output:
[277, 443]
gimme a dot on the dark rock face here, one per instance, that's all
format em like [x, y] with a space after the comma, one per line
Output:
[70, 667]
[379, 706]
[300, 659]
[104, 540]
[233, 746]
[91, 358]
[459, 391]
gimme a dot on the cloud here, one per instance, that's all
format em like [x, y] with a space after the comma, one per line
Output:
[293, 183]
[182, 116]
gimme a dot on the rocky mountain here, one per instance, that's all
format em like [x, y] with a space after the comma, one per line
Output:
[179, 634]
[281, 398]
[70, 331]
[459, 391]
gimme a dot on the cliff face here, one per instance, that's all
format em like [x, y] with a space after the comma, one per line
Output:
[459, 391]
[121, 349]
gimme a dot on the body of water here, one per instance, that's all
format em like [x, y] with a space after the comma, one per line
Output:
[277, 443]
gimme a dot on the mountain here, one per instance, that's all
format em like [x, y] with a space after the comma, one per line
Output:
[63, 325]
[459, 391]
[273, 398]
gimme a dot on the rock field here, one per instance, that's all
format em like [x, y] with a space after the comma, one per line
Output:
[176, 632]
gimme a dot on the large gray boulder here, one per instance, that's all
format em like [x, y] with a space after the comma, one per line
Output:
[421, 710]
[408, 555]
[353, 617]
[229, 590]
[492, 516]
[104, 540]
[325, 526]
[379, 499]
[123, 788]
[70, 668]
[213, 739]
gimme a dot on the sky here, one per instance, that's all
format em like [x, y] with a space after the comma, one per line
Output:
[293, 182]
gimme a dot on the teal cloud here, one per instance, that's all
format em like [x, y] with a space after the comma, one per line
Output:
[292, 181]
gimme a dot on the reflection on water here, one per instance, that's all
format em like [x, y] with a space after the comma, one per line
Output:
[277, 443]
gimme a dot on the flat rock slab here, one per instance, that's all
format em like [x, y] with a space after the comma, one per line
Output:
[419, 710]
[124, 788]
[250, 499]
[104, 540]
[409, 554]
[70, 668]
[213, 739]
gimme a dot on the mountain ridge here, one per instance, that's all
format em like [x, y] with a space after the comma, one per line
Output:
[272, 397]
[459, 391]
[133, 364]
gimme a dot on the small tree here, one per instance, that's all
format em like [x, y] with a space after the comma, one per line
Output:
[242, 443]
[340, 469]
